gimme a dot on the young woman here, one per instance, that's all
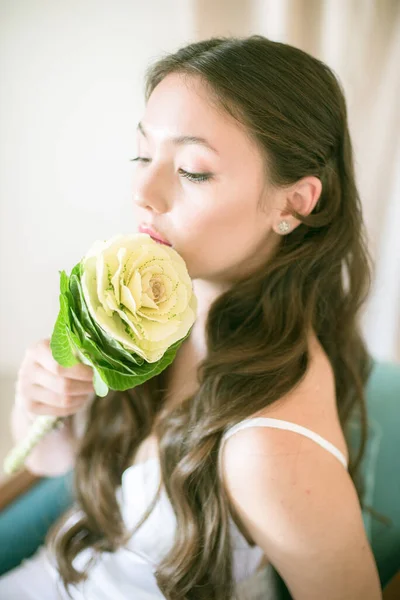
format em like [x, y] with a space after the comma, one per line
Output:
[245, 166]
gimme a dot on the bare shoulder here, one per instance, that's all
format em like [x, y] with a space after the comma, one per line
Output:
[312, 404]
[296, 500]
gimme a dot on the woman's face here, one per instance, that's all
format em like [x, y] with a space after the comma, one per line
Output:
[215, 224]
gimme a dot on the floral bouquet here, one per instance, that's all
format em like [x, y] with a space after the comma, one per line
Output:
[125, 309]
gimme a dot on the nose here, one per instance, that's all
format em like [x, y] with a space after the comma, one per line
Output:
[151, 192]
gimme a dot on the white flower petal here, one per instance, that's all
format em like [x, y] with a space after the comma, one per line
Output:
[110, 303]
[116, 328]
[154, 333]
[135, 288]
[154, 351]
[116, 278]
[147, 302]
[88, 282]
[102, 281]
[127, 299]
[133, 323]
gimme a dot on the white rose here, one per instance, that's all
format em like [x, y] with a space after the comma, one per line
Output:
[139, 292]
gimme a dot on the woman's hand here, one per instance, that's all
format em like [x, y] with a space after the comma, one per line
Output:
[44, 387]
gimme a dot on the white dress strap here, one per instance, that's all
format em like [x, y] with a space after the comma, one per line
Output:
[281, 424]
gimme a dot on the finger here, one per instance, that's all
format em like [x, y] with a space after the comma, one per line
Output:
[38, 408]
[40, 394]
[61, 385]
[44, 357]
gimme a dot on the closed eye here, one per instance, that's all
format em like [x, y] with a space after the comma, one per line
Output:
[195, 177]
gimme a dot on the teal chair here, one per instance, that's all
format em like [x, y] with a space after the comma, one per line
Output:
[24, 522]
[381, 466]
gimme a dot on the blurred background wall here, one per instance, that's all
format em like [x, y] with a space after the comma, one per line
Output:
[71, 94]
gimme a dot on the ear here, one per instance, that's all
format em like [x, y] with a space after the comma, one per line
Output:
[303, 196]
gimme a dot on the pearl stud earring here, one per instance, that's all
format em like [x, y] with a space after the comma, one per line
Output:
[283, 227]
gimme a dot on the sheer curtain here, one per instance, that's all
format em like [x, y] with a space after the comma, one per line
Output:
[360, 40]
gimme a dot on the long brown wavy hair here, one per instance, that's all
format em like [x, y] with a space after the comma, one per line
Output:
[293, 106]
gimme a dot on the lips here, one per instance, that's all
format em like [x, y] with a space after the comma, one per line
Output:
[143, 228]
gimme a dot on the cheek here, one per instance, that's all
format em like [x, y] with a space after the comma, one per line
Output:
[210, 228]
[217, 240]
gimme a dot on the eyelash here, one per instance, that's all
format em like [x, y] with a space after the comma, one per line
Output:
[194, 177]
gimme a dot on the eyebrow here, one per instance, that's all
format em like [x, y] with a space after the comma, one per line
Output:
[183, 139]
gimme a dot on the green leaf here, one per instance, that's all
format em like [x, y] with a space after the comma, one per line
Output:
[63, 282]
[100, 386]
[81, 308]
[61, 345]
[77, 270]
[100, 356]
[120, 381]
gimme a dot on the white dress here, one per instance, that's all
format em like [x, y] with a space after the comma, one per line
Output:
[128, 572]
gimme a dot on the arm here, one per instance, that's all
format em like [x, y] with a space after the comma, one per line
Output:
[55, 454]
[298, 503]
